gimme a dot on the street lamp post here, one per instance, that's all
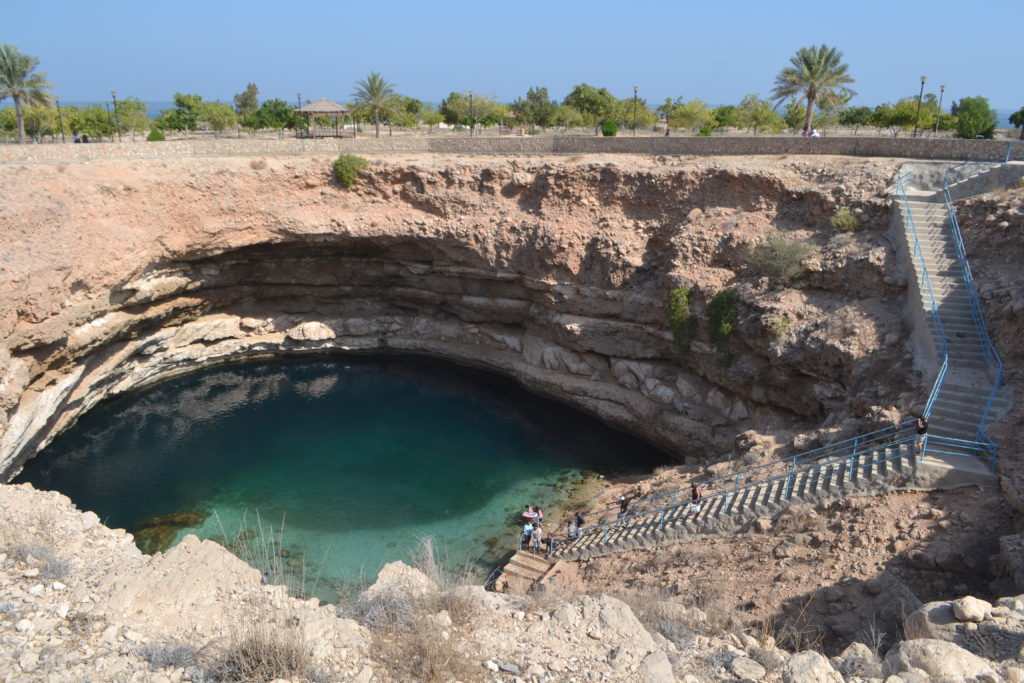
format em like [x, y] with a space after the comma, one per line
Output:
[60, 119]
[472, 121]
[917, 117]
[634, 110]
[942, 91]
[117, 119]
[298, 99]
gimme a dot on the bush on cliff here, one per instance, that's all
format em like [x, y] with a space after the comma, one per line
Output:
[347, 168]
[609, 128]
[845, 221]
[155, 135]
[723, 312]
[780, 258]
[680, 320]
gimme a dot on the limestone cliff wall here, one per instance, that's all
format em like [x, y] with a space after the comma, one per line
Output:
[556, 272]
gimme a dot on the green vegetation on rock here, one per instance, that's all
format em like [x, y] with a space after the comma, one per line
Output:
[723, 312]
[844, 221]
[681, 320]
[347, 168]
[780, 258]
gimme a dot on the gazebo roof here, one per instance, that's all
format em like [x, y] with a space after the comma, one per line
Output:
[323, 107]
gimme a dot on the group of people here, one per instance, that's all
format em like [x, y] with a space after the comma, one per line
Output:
[534, 536]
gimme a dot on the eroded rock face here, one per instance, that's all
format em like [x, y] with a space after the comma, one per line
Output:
[556, 273]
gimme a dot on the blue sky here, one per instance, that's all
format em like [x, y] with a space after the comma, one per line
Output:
[715, 51]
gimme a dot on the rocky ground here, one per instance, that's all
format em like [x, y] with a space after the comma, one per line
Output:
[79, 602]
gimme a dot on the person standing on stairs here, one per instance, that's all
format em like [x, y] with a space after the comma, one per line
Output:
[922, 430]
[695, 496]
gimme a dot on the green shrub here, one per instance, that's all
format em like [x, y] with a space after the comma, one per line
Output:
[845, 221]
[347, 168]
[609, 128]
[705, 131]
[723, 311]
[155, 135]
[780, 326]
[780, 258]
[680, 320]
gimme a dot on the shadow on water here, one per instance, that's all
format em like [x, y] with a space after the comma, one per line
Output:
[362, 454]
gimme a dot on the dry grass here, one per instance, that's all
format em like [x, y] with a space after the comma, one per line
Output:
[419, 652]
[259, 651]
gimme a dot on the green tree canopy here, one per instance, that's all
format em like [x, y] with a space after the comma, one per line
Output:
[644, 118]
[133, 114]
[758, 114]
[218, 116]
[975, 117]
[728, 116]
[18, 82]
[247, 101]
[537, 109]
[1017, 119]
[92, 119]
[593, 104]
[184, 115]
[856, 117]
[690, 115]
[470, 109]
[273, 113]
[431, 117]
[817, 75]
[373, 93]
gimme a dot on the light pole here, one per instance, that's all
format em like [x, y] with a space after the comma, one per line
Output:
[942, 91]
[60, 119]
[634, 110]
[472, 121]
[917, 116]
[117, 119]
[298, 98]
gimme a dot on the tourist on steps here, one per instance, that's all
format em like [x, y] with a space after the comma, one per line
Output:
[527, 531]
[922, 429]
[535, 536]
[695, 496]
[623, 507]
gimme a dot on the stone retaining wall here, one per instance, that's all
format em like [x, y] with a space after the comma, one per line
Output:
[914, 148]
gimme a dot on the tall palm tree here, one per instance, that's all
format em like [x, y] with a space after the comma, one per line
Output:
[374, 92]
[19, 83]
[818, 75]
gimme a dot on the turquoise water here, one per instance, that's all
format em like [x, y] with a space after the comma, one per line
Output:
[357, 459]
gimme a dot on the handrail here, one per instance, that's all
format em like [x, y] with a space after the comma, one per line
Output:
[983, 450]
[993, 363]
[860, 443]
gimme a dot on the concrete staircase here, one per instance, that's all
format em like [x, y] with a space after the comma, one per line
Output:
[523, 570]
[733, 508]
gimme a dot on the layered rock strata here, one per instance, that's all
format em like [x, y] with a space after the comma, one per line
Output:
[555, 272]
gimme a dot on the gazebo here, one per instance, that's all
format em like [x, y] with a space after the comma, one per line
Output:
[326, 108]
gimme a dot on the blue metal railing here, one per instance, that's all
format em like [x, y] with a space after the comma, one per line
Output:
[993, 363]
[844, 468]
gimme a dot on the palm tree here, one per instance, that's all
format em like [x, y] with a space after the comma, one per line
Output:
[374, 92]
[1017, 119]
[19, 83]
[818, 75]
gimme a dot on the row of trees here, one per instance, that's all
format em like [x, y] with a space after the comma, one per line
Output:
[813, 91]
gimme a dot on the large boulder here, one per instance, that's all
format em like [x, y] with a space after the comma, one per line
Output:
[656, 668]
[937, 658]
[934, 620]
[971, 609]
[809, 667]
[398, 579]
